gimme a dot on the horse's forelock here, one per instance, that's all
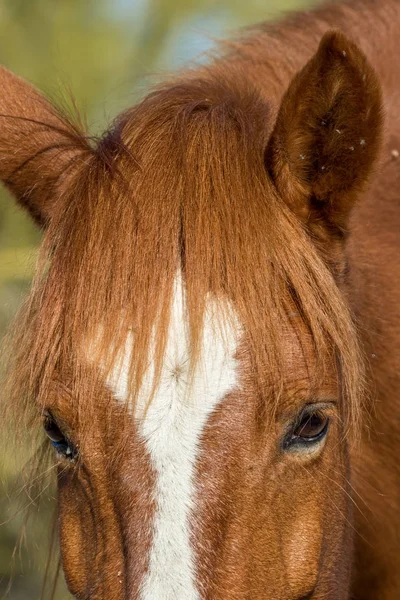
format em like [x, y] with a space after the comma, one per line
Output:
[179, 183]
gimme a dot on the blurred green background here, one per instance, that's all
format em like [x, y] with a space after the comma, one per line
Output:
[104, 52]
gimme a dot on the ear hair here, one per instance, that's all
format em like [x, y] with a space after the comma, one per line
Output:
[38, 146]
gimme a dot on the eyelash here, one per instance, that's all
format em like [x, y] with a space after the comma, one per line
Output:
[60, 442]
[295, 440]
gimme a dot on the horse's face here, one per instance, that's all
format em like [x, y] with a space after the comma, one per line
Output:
[212, 491]
[228, 478]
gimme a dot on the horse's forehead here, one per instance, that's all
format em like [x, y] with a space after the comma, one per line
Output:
[222, 359]
[214, 374]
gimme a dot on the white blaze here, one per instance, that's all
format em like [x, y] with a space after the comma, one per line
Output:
[172, 429]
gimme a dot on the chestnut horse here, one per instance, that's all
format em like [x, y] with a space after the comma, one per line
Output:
[212, 341]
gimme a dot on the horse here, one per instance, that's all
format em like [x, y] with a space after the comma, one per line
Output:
[210, 348]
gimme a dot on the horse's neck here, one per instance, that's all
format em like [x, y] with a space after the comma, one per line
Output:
[271, 54]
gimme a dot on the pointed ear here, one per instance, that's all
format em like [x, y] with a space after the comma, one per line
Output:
[327, 136]
[37, 146]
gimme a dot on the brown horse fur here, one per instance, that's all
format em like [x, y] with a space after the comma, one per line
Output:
[243, 175]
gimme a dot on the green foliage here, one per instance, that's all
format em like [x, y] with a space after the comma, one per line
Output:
[101, 51]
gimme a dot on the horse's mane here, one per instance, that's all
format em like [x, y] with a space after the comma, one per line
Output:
[178, 183]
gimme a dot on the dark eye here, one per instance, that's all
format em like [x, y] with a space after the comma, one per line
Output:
[311, 428]
[60, 442]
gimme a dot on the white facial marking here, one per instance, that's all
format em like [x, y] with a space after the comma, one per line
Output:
[172, 429]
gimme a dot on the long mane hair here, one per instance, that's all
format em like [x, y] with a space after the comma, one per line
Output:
[178, 183]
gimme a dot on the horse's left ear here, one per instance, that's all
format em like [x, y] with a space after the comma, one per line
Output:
[327, 135]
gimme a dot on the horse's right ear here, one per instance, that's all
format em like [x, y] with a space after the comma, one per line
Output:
[37, 147]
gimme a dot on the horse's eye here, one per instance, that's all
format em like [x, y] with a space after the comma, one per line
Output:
[311, 428]
[61, 444]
